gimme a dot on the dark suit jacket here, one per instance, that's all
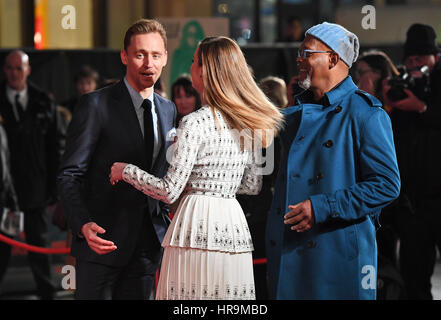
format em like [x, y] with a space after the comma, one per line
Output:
[104, 130]
[35, 144]
[8, 197]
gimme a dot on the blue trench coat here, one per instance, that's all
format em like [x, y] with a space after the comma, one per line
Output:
[341, 156]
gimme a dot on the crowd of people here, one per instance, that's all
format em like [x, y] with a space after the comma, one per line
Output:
[352, 195]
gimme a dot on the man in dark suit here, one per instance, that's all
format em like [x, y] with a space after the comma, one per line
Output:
[36, 144]
[125, 122]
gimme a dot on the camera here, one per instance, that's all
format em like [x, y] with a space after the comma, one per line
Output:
[420, 86]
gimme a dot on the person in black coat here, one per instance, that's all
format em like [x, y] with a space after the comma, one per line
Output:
[36, 144]
[416, 121]
[117, 230]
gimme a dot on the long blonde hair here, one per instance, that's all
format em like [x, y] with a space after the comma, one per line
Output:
[230, 88]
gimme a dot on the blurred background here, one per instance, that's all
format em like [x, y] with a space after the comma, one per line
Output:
[61, 36]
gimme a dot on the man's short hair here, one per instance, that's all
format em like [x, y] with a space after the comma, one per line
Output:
[143, 26]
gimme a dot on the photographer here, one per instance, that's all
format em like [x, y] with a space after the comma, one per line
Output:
[416, 121]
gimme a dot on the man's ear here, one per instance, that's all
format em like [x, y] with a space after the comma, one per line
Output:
[333, 60]
[166, 58]
[124, 58]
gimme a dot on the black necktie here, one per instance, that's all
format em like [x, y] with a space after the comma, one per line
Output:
[19, 108]
[148, 131]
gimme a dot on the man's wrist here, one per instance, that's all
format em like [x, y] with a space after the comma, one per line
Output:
[80, 234]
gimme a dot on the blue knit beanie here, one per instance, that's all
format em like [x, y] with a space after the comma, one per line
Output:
[340, 40]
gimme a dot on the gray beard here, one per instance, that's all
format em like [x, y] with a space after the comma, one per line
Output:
[305, 83]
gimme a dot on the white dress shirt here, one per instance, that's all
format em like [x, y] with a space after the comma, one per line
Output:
[137, 100]
[23, 99]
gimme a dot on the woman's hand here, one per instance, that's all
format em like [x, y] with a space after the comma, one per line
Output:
[116, 172]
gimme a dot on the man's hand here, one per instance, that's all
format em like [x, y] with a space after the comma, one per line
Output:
[96, 243]
[411, 103]
[301, 216]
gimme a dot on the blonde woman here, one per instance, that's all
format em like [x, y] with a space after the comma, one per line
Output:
[208, 244]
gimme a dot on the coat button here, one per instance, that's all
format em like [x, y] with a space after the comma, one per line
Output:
[338, 109]
[329, 144]
[301, 138]
[311, 244]
[320, 176]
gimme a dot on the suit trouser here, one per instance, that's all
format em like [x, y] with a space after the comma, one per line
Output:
[419, 239]
[133, 281]
[35, 228]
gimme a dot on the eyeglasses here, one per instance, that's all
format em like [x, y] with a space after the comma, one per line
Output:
[307, 53]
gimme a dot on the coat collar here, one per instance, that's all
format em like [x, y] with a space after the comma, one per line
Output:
[162, 117]
[163, 126]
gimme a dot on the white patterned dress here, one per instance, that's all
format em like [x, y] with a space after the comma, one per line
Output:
[208, 246]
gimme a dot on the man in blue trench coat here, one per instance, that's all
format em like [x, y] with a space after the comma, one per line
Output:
[337, 172]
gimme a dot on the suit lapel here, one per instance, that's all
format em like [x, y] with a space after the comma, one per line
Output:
[127, 115]
[163, 127]
[34, 105]
[6, 108]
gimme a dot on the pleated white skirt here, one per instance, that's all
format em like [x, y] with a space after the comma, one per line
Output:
[207, 252]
